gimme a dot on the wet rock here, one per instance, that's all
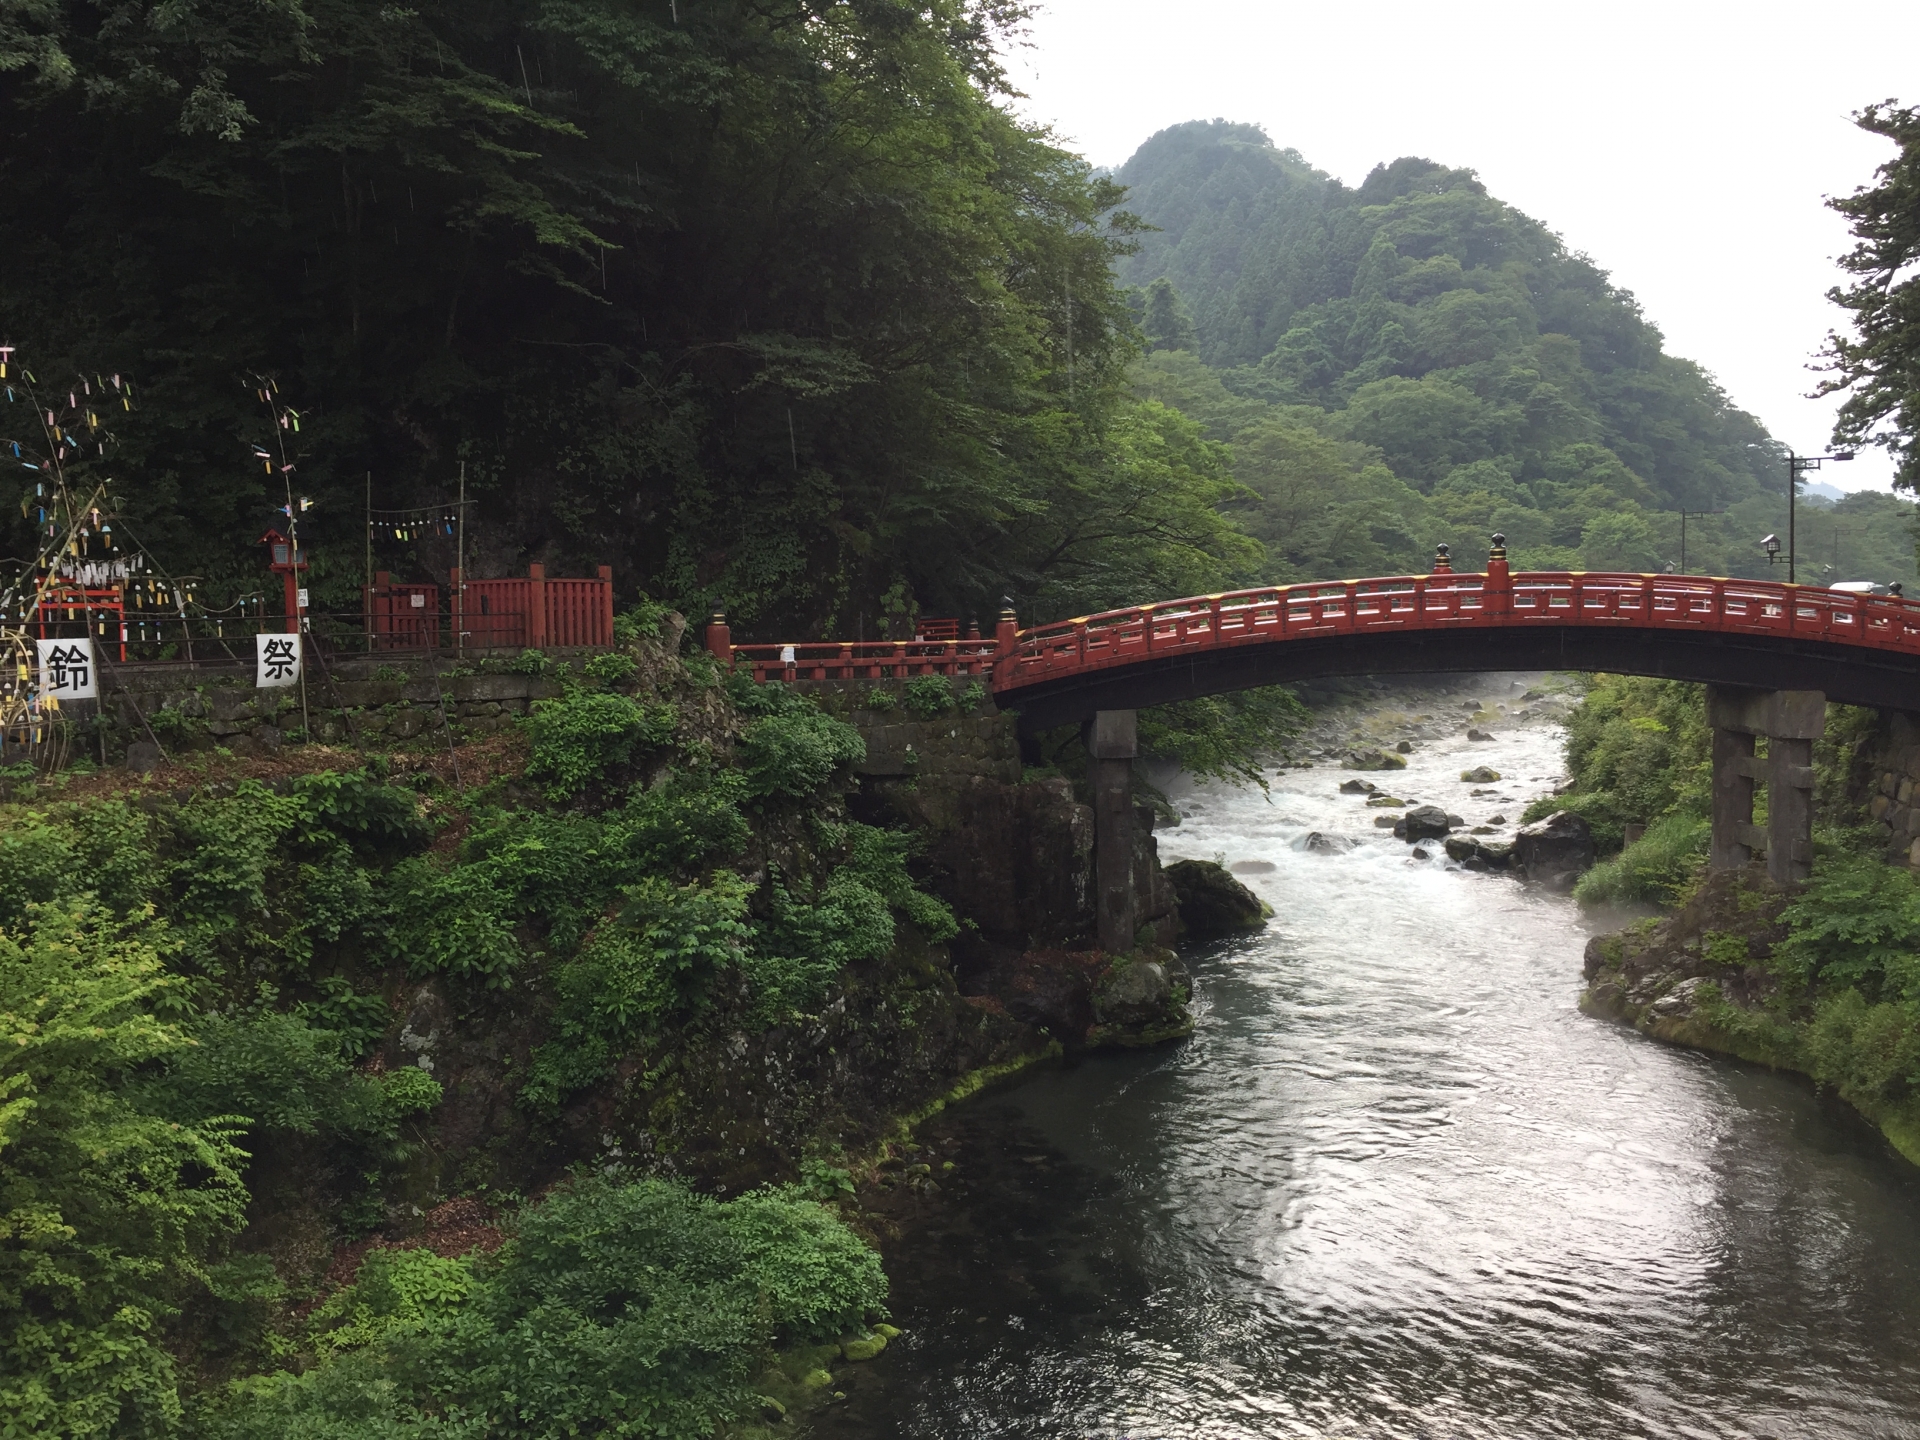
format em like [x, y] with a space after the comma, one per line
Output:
[1496, 820]
[1212, 902]
[1375, 760]
[1357, 787]
[1420, 852]
[1475, 854]
[1405, 747]
[1677, 1001]
[1425, 822]
[1456, 821]
[1478, 735]
[1480, 775]
[1253, 867]
[1385, 802]
[1319, 843]
[1388, 822]
[1555, 851]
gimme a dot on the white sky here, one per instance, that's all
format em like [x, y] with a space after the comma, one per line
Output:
[1686, 146]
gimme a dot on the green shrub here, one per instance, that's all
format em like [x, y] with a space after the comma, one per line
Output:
[1857, 923]
[452, 922]
[660, 958]
[1871, 1051]
[687, 822]
[642, 619]
[110, 1207]
[577, 738]
[928, 695]
[796, 752]
[611, 668]
[642, 1309]
[530, 662]
[1654, 869]
[618, 1310]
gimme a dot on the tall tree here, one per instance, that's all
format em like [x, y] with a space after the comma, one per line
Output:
[1880, 362]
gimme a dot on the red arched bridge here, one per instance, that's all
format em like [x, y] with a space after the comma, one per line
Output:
[1772, 655]
[1859, 649]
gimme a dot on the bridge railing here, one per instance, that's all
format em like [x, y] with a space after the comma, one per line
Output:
[866, 660]
[1409, 602]
[1358, 607]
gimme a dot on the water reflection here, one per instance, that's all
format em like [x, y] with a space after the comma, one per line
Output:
[1397, 1186]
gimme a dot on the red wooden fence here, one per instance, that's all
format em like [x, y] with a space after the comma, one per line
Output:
[528, 612]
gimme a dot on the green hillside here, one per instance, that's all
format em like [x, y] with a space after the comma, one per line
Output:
[1415, 361]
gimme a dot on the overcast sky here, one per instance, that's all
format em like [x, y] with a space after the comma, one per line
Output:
[1685, 146]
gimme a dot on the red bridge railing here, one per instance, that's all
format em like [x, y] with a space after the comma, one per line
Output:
[1443, 601]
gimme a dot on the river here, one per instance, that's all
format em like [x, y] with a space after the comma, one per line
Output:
[1396, 1185]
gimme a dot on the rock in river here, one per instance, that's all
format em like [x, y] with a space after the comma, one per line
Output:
[1480, 775]
[1357, 787]
[1555, 851]
[1318, 843]
[1212, 902]
[1426, 822]
[1375, 760]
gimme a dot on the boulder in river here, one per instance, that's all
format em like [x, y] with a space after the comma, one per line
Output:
[1480, 775]
[1212, 902]
[1319, 843]
[1425, 822]
[1474, 854]
[1375, 760]
[1478, 735]
[1357, 787]
[1405, 747]
[1555, 851]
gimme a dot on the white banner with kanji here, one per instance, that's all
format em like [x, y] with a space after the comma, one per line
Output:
[66, 670]
[276, 661]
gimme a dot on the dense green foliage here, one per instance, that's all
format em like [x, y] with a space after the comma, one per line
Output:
[776, 306]
[1880, 362]
[192, 981]
[618, 1309]
[1413, 361]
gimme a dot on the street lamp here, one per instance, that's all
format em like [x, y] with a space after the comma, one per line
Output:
[1796, 466]
[1771, 545]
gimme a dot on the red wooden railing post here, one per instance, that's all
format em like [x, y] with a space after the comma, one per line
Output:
[1006, 635]
[720, 639]
[537, 606]
[1496, 598]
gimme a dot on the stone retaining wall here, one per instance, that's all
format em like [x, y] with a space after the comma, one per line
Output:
[1893, 786]
[364, 703]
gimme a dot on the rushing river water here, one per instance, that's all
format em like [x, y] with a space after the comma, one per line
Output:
[1397, 1186]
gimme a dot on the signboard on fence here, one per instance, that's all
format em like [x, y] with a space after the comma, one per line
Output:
[276, 661]
[66, 670]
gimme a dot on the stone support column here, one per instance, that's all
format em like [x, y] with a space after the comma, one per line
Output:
[1113, 741]
[1791, 720]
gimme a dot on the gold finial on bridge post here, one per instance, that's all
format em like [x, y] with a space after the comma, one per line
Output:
[1008, 629]
[1442, 559]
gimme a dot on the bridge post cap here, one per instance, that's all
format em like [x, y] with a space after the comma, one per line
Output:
[719, 617]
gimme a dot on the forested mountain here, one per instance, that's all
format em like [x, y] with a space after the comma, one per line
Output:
[1414, 361]
[775, 306]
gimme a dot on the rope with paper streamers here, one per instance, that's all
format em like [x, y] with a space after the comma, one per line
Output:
[59, 453]
[414, 524]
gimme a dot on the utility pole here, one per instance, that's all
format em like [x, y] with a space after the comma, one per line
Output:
[1798, 465]
[1683, 532]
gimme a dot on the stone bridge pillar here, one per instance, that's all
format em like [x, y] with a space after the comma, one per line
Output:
[1791, 720]
[1113, 741]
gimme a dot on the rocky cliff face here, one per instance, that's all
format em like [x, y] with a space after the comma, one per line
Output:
[1015, 856]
